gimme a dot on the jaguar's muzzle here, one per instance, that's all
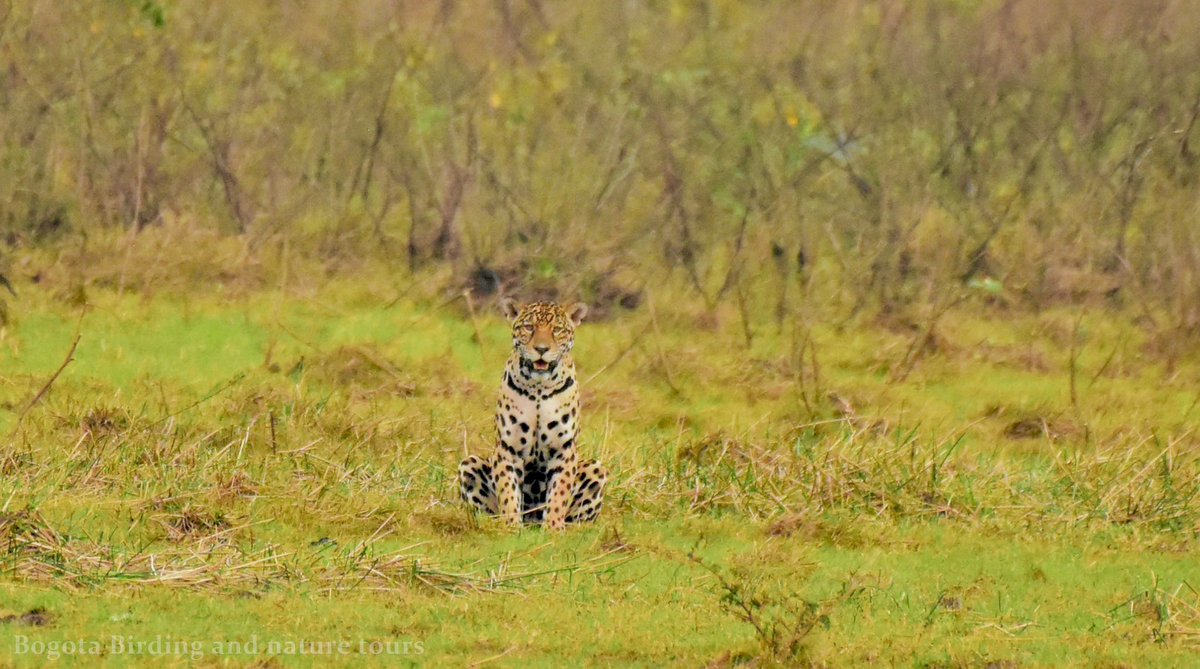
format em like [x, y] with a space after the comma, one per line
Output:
[540, 366]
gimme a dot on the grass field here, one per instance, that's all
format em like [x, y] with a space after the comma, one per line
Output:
[276, 466]
[894, 357]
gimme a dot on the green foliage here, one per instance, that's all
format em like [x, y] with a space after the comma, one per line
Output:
[877, 152]
[153, 13]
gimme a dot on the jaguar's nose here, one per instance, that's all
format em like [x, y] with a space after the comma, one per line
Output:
[541, 349]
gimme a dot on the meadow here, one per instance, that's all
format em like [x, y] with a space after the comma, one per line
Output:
[215, 465]
[892, 348]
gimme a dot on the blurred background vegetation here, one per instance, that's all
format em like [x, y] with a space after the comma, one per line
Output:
[866, 156]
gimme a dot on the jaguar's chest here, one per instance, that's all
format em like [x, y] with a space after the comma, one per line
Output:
[537, 423]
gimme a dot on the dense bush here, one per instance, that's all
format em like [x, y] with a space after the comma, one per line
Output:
[885, 152]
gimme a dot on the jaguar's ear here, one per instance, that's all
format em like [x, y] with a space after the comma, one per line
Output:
[510, 308]
[576, 312]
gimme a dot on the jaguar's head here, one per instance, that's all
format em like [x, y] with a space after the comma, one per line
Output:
[543, 332]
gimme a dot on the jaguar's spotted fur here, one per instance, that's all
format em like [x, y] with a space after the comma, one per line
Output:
[535, 473]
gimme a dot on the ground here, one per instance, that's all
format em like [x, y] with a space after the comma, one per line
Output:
[267, 466]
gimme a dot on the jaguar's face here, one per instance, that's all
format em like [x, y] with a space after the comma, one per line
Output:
[543, 332]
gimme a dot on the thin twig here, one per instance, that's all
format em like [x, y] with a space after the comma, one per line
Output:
[46, 388]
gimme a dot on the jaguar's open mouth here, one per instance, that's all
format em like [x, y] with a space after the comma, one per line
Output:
[541, 365]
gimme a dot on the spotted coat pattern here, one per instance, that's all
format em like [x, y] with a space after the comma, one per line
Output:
[535, 474]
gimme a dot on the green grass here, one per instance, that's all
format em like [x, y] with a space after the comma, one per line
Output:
[279, 466]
